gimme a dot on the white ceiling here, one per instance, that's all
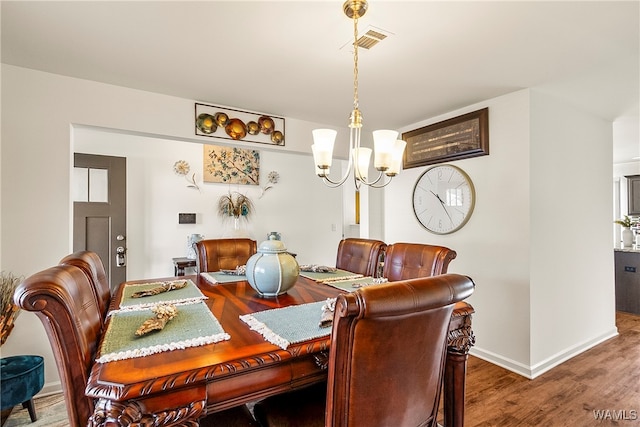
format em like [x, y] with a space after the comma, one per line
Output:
[285, 58]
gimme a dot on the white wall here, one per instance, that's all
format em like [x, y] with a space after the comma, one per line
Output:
[493, 247]
[571, 251]
[527, 318]
[156, 195]
[40, 111]
[538, 238]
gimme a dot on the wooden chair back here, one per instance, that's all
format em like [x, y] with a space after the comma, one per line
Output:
[91, 264]
[223, 254]
[412, 260]
[63, 299]
[388, 350]
[361, 256]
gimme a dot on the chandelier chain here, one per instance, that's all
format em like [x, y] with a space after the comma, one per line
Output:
[356, 103]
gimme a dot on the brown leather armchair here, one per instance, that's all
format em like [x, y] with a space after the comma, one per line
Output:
[411, 260]
[386, 360]
[91, 264]
[361, 256]
[63, 298]
[223, 254]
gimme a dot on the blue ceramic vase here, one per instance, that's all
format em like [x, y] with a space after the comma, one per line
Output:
[272, 271]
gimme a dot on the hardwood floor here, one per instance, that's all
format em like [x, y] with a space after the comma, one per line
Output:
[604, 378]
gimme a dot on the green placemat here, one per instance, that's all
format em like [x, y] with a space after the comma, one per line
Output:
[215, 277]
[289, 325]
[328, 277]
[194, 326]
[189, 293]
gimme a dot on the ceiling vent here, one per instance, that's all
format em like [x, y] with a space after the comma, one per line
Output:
[369, 38]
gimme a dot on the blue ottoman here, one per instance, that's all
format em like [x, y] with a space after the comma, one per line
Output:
[22, 377]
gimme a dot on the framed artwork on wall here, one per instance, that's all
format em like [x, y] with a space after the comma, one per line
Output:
[457, 138]
[231, 165]
[238, 125]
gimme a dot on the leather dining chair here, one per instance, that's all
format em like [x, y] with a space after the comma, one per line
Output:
[386, 359]
[223, 254]
[360, 256]
[63, 299]
[91, 264]
[411, 260]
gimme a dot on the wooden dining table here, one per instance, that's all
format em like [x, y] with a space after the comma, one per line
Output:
[178, 387]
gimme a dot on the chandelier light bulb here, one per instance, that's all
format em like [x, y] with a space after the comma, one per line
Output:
[383, 141]
[362, 157]
[396, 158]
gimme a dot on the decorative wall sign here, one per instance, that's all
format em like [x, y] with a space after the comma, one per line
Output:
[231, 165]
[457, 138]
[238, 125]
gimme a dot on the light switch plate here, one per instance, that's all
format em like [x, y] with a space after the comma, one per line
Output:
[186, 218]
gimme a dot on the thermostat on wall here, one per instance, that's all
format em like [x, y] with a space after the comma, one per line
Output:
[186, 218]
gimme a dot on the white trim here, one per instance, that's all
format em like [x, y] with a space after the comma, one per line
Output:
[533, 371]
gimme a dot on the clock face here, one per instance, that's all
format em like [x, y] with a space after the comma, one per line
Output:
[443, 199]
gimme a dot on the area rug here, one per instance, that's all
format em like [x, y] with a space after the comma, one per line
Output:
[50, 410]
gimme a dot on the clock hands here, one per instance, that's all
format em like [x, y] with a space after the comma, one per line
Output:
[437, 197]
[443, 205]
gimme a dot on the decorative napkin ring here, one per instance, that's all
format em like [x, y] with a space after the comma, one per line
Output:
[317, 268]
[326, 319]
[375, 281]
[240, 270]
[163, 313]
[165, 287]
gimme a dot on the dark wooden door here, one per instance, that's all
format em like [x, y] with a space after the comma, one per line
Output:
[99, 211]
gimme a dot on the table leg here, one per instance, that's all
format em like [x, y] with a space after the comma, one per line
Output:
[454, 389]
[460, 341]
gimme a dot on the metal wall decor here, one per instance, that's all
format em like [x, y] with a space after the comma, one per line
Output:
[457, 138]
[238, 125]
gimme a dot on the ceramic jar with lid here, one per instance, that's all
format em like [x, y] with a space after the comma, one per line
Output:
[272, 271]
[191, 245]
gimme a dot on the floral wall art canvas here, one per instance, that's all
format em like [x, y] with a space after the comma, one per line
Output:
[231, 165]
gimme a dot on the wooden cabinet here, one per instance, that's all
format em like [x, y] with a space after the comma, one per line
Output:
[627, 272]
[633, 194]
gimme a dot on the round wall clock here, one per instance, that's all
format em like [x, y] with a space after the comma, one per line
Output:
[443, 199]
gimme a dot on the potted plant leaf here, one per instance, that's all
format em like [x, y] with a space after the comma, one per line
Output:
[238, 207]
[9, 311]
[627, 234]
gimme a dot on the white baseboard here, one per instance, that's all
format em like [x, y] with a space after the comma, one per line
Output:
[533, 371]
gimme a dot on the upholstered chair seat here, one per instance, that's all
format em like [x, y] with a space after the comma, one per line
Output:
[361, 256]
[412, 260]
[223, 254]
[22, 377]
[91, 264]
